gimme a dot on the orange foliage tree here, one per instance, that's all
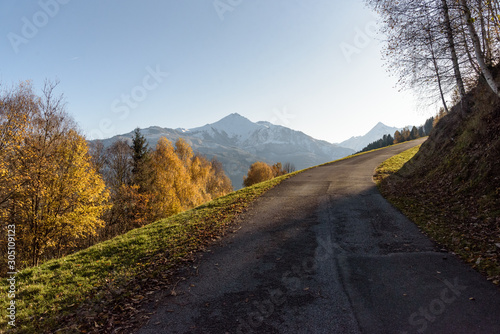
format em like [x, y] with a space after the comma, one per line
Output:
[259, 171]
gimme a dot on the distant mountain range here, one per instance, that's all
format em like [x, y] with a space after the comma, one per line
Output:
[237, 143]
[360, 142]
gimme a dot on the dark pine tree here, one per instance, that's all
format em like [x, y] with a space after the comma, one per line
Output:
[414, 133]
[141, 161]
[428, 126]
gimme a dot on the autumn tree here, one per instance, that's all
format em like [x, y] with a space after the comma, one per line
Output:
[170, 176]
[277, 169]
[218, 183]
[183, 151]
[17, 108]
[129, 177]
[259, 171]
[398, 138]
[117, 172]
[200, 171]
[147, 185]
[60, 197]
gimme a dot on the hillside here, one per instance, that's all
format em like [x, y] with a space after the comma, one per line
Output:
[238, 142]
[451, 188]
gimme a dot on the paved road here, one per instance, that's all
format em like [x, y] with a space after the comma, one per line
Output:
[324, 253]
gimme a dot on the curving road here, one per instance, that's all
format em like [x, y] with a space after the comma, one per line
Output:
[323, 252]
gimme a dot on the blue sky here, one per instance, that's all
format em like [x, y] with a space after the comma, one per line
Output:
[314, 66]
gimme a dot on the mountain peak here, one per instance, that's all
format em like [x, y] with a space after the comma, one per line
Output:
[359, 142]
[234, 125]
[233, 115]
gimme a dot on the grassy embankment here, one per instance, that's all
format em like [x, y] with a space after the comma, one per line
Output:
[442, 213]
[451, 186]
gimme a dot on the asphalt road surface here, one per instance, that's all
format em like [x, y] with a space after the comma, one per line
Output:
[323, 252]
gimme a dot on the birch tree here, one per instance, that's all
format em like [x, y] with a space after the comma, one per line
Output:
[433, 41]
[59, 197]
[478, 50]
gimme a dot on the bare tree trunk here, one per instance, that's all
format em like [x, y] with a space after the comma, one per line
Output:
[438, 75]
[477, 48]
[434, 61]
[469, 55]
[484, 38]
[494, 9]
[454, 58]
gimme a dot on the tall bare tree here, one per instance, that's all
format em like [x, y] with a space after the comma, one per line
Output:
[442, 44]
[480, 54]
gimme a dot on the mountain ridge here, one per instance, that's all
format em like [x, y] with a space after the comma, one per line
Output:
[238, 142]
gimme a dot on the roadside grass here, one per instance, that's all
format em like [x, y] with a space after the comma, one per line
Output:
[394, 164]
[370, 151]
[434, 214]
[85, 287]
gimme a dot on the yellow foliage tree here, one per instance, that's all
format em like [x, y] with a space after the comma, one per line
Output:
[218, 184]
[200, 171]
[60, 197]
[184, 152]
[168, 169]
[183, 181]
[16, 110]
[259, 171]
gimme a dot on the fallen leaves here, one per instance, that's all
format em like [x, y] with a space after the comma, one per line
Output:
[453, 204]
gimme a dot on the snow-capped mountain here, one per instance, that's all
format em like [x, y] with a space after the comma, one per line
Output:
[233, 126]
[238, 142]
[360, 142]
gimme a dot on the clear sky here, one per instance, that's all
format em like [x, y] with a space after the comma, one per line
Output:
[314, 66]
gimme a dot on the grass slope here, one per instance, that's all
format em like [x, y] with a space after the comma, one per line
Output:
[394, 164]
[84, 291]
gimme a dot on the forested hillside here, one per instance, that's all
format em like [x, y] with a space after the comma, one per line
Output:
[405, 134]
